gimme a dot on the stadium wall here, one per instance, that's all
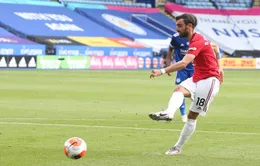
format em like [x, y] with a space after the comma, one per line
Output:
[107, 62]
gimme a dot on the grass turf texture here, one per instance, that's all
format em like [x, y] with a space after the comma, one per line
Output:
[40, 110]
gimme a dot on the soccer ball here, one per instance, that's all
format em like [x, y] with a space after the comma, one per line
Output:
[75, 148]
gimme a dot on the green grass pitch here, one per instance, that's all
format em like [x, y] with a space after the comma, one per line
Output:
[40, 110]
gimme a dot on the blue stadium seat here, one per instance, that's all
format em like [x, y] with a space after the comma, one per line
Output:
[239, 4]
[7, 1]
[108, 2]
[33, 2]
[197, 3]
[225, 4]
[74, 5]
[42, 3]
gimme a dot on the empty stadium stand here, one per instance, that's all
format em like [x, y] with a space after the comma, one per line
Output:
[233, 4]
[9, 38]
[112, 27]
[112, 23]
[34, 20]
[33, 2]
[219, 4]
[72, 3]
[14, 45]
[195, 3]
[235, 31]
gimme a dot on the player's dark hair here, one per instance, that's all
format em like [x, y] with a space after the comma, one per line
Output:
[188, 19]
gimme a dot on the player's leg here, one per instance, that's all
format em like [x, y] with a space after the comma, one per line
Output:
[180, 77]
[186, 133]
[176, 100]
[184, 75]
[205, 92]
[183, 111]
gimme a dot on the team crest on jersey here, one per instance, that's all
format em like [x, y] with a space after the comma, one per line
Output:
[178, 80]
[183, 52]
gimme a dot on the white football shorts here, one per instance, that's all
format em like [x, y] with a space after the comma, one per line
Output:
[202, 93]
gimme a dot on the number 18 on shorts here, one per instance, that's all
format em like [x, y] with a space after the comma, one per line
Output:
[202, 93]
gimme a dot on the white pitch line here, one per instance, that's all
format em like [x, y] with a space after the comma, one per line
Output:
[120, 127]
[71, 119]
[122, 120]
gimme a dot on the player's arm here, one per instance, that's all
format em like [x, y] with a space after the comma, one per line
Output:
[217, 54]
[169, 56]
[188, 58]
[172, 45]
[193, 51]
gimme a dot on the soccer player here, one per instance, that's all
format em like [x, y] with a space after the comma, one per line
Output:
[202, 87]
[180, 47]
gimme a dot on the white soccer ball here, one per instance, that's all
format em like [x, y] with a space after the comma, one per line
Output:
[75, 148]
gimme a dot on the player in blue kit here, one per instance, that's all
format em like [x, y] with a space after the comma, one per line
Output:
[179, 46]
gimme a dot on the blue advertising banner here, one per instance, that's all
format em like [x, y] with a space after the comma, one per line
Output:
[19, 49]
[9, 38]
[103, 51]
[35, 20]
[4, 32]
[121, 23]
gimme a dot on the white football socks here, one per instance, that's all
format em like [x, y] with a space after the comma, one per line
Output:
[175, 102]
[186, 133]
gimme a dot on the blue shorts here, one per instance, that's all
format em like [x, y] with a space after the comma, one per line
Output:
[183, 75]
